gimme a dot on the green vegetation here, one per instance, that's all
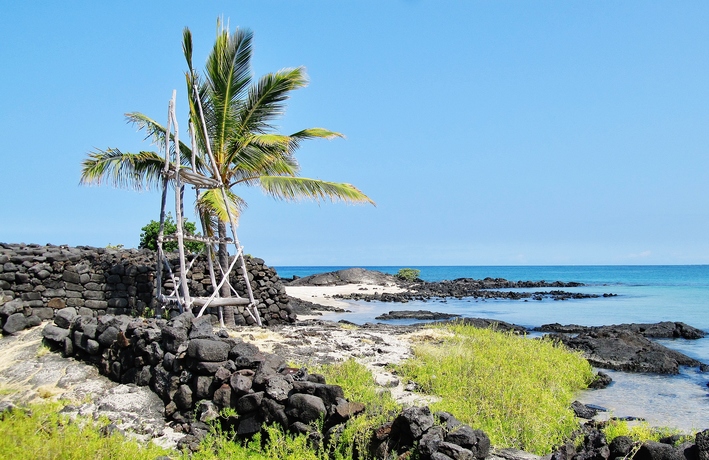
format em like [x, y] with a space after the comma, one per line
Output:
[149, 235]
[408, 274]
[40, 432]
[274, 445]
[359, 386]
[515, 389]
[638, 432]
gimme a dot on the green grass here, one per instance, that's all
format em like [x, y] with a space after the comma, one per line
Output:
[40, 432]
[275, 445]
[515, 389]
[638, 432]
[359, 386]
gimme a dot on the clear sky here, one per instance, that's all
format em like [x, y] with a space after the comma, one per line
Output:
[487, 132]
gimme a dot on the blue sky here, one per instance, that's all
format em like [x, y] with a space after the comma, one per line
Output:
[488, 133]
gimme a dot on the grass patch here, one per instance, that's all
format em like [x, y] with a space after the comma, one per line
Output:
[40, 432]
[276, 444]
[358, 385]
[639, 432]
[515, 389]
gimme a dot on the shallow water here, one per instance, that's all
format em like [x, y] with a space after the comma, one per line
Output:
[645, 294]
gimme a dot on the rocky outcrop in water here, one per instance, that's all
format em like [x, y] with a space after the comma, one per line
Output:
[623, 349]
[661, 330]
[346, 276]
[488, 288]
[417, 315]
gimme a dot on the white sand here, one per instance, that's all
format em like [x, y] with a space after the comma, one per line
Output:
[323, 294]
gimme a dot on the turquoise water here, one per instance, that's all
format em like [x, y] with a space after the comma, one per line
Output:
[645, 294]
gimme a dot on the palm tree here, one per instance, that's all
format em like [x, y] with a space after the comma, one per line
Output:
[233, 119]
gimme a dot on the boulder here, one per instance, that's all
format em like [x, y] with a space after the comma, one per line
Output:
[305, 408]
[15, 323]
[208, 350]
[55, 333]
[64, 317]
[652, 450]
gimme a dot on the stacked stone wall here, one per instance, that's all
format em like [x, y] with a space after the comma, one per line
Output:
[199, 373]
[37, 281]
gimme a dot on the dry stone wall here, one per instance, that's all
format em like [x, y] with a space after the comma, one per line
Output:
[37, 281]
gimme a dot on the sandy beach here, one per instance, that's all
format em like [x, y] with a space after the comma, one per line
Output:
[323, 294]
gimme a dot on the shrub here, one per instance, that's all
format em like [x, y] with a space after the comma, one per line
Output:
[515, 389]
[408, 274]
[149, 235]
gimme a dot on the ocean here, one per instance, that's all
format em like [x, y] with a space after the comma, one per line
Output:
[645, 294]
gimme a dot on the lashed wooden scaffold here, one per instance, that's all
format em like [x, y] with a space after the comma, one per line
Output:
[180, 296]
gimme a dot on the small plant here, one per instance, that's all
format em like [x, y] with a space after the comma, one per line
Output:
[228, 412]
[408, 274]
[149, 235]
[114, 246]
[42, 350]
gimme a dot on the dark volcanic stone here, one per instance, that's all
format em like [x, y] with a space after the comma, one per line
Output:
[651, 450]
[418, 314]
[306, 408]
[249, 403]
[15, 323]
[208, 350]
[172, 338]
[626, 351]
[600, 381]
[55, 333]
[621, 446]
[65, 317]
[272, 412]
[583, 411]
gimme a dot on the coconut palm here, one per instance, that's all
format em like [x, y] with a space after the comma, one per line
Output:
[233, 119]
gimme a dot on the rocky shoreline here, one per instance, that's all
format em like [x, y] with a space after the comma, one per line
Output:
[488, 288]
[184, 361]
[624, 347]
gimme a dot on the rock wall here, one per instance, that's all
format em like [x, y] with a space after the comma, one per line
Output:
[37, 281]
[199, 373]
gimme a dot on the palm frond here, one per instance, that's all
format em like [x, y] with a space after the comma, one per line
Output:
[211, 202]
[228, 77]
[124, 170]
[266, 100]
[300, 188]
[187, 47]
[156, 132]
[295, 139]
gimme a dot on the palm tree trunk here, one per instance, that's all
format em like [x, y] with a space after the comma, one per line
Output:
[223, 257]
